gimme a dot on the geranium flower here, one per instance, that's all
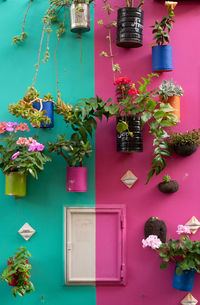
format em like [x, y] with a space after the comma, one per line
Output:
[22, 141]
[122, 80]
[35, 146]
[152, 241]
[132, 91]
[183, 229]
[31, 140]
[10, 126]
[22, 127]
[2, 127]
[15, 155]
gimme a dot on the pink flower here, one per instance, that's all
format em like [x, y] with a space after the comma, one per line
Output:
[22, 127]
[183, 229]
[15, 155]
[2, 127]
[22, 141]
[152, 241]
[31, 140]
[35, 146]
[10, 126]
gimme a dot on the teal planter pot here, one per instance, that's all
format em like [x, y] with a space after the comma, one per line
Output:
[185, 280]
[15, 184]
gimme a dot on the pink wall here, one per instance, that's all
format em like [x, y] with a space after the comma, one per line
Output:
[147, 284]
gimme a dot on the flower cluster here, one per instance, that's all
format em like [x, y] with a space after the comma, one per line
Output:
[10, 127]
[183, 229]
[152, 241]
[25, 141]
[32, 144]
[125, 88]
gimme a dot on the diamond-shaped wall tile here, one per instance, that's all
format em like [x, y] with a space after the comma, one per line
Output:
[189, 300]
[26, 231]
[194, 224]
[129, 179]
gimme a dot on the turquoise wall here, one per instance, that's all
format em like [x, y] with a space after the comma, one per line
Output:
[46, 198]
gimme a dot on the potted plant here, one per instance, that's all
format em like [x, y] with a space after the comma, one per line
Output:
[184, 252]
[162, 53]
[185, 144]
[80, 16]
[156, 226]
[73, 151]
[19, 157]
[168, 186]
[17, 272]
[39, 111]
[171, 93]
[130, 25]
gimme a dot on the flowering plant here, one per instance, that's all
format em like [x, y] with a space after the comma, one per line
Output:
[184, 252]
[162, 29]
[24, 108]
[21, 154]
[17, 273]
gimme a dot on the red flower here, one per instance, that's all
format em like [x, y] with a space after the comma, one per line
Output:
[3, 127]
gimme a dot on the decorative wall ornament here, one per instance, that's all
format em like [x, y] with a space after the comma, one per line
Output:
[194, 224]
[189, 300]
[26, 231]
[129, 179]
[155, 226]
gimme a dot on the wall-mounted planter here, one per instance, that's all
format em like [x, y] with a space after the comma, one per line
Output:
[15, 184]
[80, 18]
[168, 187]
[185, 280]
[156, 226]
[185, 150]
[126, 143]
[76, 179]
[14, 277]
[130, 27]
[175, 102]
[162, 58]
[48, 107]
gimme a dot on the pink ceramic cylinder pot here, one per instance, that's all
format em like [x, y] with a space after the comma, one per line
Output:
[76, 179]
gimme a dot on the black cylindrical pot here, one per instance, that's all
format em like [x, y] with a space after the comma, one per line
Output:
[126, 143]
[185, 150]
[168, 187]
[130, 27]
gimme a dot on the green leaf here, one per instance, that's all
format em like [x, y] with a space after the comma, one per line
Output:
[122, 126]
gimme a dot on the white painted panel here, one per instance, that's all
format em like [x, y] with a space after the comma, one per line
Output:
[80, 245]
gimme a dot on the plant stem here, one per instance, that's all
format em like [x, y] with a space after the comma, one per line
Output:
[56, 68]
[27, 13]
[110, 45]
[62, 154]
[141, 3]
[38, 61]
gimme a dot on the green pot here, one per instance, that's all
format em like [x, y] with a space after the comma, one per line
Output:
[15, 184]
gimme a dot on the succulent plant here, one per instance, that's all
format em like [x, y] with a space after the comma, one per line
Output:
[166, 178]
[168, 88]
[185, 138]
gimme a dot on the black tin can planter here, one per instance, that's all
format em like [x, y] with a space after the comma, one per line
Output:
[79, 17]
[126, 143]
[186, 149]
[48, 108]
[130, 27]
[168, 187]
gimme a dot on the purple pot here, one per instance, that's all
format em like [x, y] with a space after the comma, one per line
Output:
[76, 179]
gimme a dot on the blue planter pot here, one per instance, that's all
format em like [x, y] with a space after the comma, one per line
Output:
[185, 280]
[162, 58]
[48, 107]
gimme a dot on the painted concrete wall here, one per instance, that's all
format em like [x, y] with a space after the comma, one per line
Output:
[44, 205]
[147, 284]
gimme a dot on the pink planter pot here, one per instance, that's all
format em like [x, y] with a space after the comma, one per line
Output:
[76, 179]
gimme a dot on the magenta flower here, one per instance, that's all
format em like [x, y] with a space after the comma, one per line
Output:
[35, 146]
[152, 241]
[10, 126]
[15, 155]
[183, 229]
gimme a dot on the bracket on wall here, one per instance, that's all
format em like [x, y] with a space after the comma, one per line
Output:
[26, 231]
[129, 179]
[189, 300]
[194, 224]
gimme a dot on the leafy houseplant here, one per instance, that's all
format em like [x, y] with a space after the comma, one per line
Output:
[162, 53]
[19, 157]
[39, 111]
[17, 273]
[171, 94]
[73, 151]
[184, 252]
[185, 144]
[168, 186]
[130, 25]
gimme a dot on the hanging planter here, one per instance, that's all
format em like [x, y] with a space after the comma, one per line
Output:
[185, 280]
[126, 142]
[47, 107]
[130, 27]
[15, 184]
[186, 149]
[80, 18]
[162, 58]
[155, 226]
[76, 179]
[168, 186]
